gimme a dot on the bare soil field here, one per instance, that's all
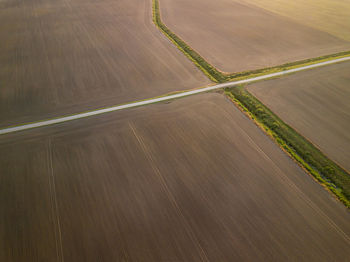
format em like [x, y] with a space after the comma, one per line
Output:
[235, 37]
[190, 180]
[61, 57]
[316, 104]
[331, 16]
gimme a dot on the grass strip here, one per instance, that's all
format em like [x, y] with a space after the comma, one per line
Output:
[287, 66]
[199, 61]
[214, 74]
[328, 173]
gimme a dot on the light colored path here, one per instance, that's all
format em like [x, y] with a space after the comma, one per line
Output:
[160, 99]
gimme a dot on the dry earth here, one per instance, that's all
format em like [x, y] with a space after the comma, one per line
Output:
[235, 37]
[61, 57]
[331, 16]
[316, 103]
[190, 180]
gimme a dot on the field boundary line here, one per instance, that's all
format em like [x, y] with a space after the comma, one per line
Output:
[62, 119]
[215, 74]
[210, 71]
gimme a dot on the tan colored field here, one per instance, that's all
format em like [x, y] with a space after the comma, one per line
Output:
[190, 180]
[316, 103]
[59, 57]
[235, 37]
[331, 16]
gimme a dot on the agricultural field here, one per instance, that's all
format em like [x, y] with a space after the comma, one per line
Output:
[331, 16]
[62, 57]
[316, 104]
[188, 180]
[236, 37]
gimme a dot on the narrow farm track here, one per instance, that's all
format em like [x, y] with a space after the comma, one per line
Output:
[22, 127]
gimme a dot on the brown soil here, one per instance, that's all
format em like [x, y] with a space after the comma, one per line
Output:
[61, 57]
[331, 16]
[316, 103]
[235, 37]
[190, 180]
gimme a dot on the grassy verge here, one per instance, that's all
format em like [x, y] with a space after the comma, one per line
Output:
[199, 61]
[305, 153]
[287, 66]
[219, 77]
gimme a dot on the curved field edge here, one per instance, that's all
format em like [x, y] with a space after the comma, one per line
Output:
[217, 76]
[324, 170]
[199, 61]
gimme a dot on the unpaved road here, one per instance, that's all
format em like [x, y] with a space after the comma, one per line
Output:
[155, 100]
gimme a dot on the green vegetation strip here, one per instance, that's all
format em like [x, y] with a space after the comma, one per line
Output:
[199, 61]
[219, 77]
[287, 66]
[305, 153]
